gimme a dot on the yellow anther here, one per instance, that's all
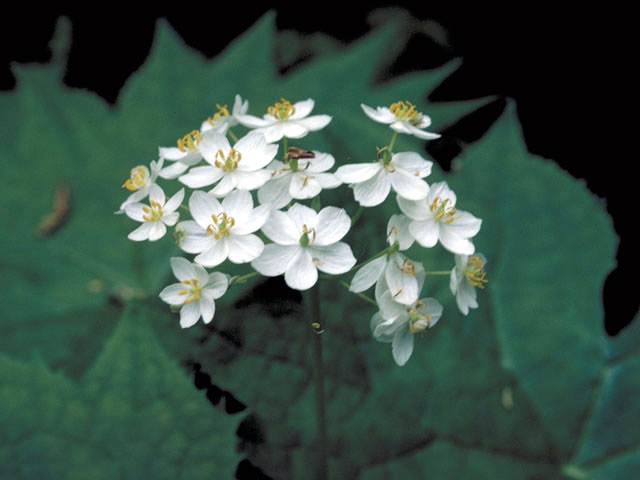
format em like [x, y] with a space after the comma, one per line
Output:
[406, 111]
[137, 180]
[306, 180]
[439, 209]
[408, 267]
[154, 213]
[190, 141]
[393, 231]
[229, 162]
[223, 111]
[281, 110]
[475, 272]
[193, 291]
[222, 224]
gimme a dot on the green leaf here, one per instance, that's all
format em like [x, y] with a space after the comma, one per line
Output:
[55, 137]
[524, 387]
[135, 415]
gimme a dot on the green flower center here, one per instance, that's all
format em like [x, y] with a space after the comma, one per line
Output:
[221, 226]
[137, 179]
[281, 110]
[229, 162]
[441, 211]
[193, 290]
[153, 213]
[190, 141]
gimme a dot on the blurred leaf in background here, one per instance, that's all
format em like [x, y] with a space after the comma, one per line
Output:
[527, 386]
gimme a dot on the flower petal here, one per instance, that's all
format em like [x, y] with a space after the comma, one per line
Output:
[141, 233]
[374, 191]
[135, 211]
[256, 152]
[314, 123]
[251, 180]
[156, 194]
[207, 308]
[302, 109]
[402, 345]
[252, 121]
[304, 186]
[422, 134]
[403, 286]
[412, 163]
[320, 163]
[194, 238]
[189, 314]
[273, 132]
[244, 248]
[453, 242]
[374, 323]
[409, 186]
[441, 191]
[225, 186]
[333, 259]
[201, 176]
[328, 180]
[182, 268]
[425, 232]
[275, 259]
[302, 215]
[172, 295]
[389, 308]
[294, 129]
[398, 231]
[276, 191]
[465, 224]
[216, 285]
[380, 114]
[415, 209]
[238, 204]
[173, 171]
[281, 229]
[215, 255]
[255, 221]
[174, 202]
[366, 276]
[213, 142]
[302, 274]
[157, 231]
[332, 225]
[202, 206]
[358, 172]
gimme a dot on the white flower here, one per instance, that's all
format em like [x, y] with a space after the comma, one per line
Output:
[402, 117]
[305, 242]
[222, 231]
[221, 121]
[196, 291]
[465, 276]
[239, 167]
[436, 218]
[185, 155]
[286, 120]
[139, 182]
[372, 182]
[403, 276]
[306, 181]
[155, 217]
[397, 324]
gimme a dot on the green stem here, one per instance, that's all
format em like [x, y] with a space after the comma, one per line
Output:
[285, 147]
[244, 278]
[313, 299]
[393, 141]
[232, 136]
[439, 272]
[356, 215]
[361, 295]
[387, 251]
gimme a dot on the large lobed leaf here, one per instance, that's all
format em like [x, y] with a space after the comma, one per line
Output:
[134, 415]
[527, 386]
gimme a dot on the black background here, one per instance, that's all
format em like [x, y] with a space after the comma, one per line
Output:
[548, 61]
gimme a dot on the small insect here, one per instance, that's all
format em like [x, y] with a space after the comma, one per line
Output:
[54, 220]
[296, 152]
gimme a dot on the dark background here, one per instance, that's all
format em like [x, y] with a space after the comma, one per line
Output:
[548, 61]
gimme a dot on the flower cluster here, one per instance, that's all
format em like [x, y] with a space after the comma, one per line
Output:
[254, 200]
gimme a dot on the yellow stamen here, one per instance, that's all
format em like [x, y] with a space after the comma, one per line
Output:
[406, 111]
[408, 267]
[193, 291]
[190, 141]
[154, 213]
[222, 224]
[137, 180]
[223, 111]
[306, 231]
[281, 110]
[230, 162]
[475, 272]
[439, 209]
